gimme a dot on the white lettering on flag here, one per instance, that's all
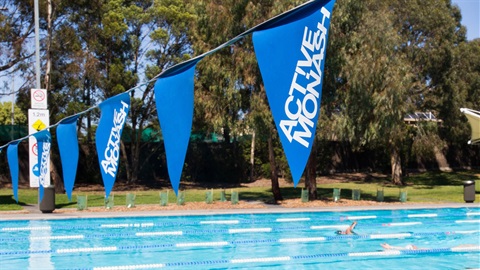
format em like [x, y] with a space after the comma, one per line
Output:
[44, 163]
[304, 93]
[112, 152]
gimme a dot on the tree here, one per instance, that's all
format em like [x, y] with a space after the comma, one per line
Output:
[221, 93]
[462, 90]
[16, 30]
[229, 91]
[160, 37]
[372, 104]
[383, 75]
[110, 47]
[431, 33]
[6, 114]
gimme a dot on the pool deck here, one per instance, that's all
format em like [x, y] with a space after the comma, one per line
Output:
[35, 214]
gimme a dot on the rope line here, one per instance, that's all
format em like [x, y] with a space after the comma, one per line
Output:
[231, 243]
[226, 231]
[236, 221]
[391, 253]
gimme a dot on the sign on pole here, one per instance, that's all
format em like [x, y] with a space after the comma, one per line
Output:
[38, 98]
[37, 120]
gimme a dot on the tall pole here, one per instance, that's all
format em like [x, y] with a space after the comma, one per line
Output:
[37, 44]
[13, 106]
[38, 119]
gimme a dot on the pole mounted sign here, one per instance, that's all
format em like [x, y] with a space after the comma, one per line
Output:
[38, 119]
[38, 98]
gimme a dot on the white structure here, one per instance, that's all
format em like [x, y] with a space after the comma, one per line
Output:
[474, 120]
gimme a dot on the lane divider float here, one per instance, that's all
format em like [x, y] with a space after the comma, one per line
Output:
[293, 258]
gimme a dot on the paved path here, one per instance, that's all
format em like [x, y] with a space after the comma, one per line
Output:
[34, 213]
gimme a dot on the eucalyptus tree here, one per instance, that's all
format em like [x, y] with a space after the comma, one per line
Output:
[372, 101]
[393, 57]
[229, 91]
[431, 34]
[108, 47]
[221, 93]
[16, 32]
[463, 83]
[160, 40]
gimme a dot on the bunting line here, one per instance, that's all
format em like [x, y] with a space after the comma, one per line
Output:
[313, 16]
[180, 66]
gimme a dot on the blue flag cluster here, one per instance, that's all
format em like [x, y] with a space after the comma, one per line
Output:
[291, 51]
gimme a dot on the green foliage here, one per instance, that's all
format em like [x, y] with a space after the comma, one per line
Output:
[6, 114]
[384, 59]
[426, 140]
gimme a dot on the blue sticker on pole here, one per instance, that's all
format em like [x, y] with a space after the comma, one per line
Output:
[114, 113]
[291, 56]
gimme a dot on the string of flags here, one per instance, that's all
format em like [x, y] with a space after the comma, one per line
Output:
[292, 71]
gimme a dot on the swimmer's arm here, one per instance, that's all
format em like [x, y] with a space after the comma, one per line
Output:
[387, 246]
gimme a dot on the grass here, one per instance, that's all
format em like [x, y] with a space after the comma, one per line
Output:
[423, 187]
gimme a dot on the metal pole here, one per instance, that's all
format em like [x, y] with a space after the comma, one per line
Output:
[37, 45]
[13, 105]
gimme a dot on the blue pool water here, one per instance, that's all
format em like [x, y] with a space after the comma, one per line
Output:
[449, 239]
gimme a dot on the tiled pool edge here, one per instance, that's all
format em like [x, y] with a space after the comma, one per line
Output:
[5, 216]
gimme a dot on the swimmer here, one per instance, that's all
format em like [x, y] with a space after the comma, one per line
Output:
[407, 247]
[413, 247]
[349, 230]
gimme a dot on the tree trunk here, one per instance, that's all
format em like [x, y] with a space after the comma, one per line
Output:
[441, 160]
[54, 175]
[135, 160]
[396, 163]
[56, 179]
[311, 176]
[277, 195]
[252, 158]
[125, 158]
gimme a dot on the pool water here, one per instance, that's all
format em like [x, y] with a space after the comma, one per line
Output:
[448, 238]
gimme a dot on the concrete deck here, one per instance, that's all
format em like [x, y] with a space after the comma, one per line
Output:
[35, 214]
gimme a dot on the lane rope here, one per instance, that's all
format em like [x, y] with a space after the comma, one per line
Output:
[231, 243]
[391, 253]
[235, 221]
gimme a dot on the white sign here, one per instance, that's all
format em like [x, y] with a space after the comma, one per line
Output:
[38, 98]
[37, 120]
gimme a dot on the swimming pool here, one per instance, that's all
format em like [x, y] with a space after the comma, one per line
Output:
[448, 238]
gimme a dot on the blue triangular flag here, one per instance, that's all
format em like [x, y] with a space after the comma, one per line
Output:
[291, 55]
[174, 100]
[43, 145]
[68, 146]
[114, 113]
[12, 156]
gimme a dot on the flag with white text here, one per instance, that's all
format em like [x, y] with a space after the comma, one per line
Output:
[43, 149]
[114, 113]
[291, 56]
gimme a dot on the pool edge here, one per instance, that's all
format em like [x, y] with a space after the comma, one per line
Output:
[84, 214]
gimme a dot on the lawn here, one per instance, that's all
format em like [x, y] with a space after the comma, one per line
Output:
[422, 187]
